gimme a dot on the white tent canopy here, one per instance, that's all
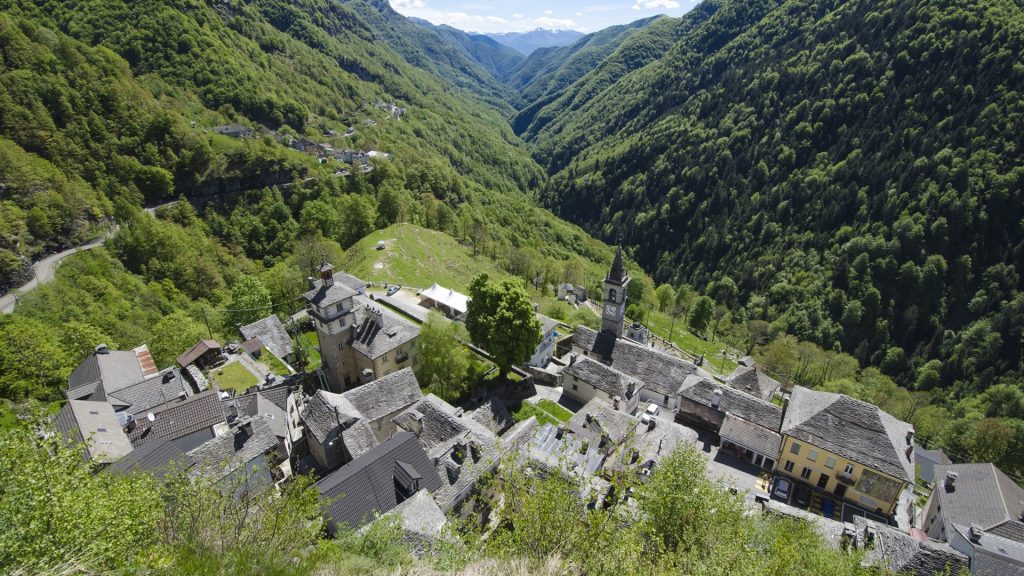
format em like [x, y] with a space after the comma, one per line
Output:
[446, 297]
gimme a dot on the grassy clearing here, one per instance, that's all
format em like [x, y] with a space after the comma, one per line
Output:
[660, 323]
[234, 376]
[309, 342]
[274, 363]
[417, 257]
[555, 409]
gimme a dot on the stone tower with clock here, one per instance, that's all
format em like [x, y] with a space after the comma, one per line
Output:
[616, 283]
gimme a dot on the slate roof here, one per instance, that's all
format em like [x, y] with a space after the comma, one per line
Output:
[197, 351]
[366, 486]
[262, 403]
[618, 271]
[901, 553]
[994, 555]
[493, 415]
[660, 372]
[605, 420]
[321, 295]
[852, 429]
[152, 393]
[753, 381]
[95, 422]
[326, 411]
[546, 324]
[750, 435]
[158, 458]
[653, 444]
[480, 456]
[227, 453]
[371, 339]
[271, 332]
[982, 494]
[349, 280]
[562, 455]
[926, 461]
[422, 521]
[180, 419]
[115, 369]
[764, 414]
[439, 422]
[602, 377]
[385, 395]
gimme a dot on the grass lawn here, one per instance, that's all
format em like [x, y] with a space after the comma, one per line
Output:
[233, 376]
[555, 409]
[543, 416]
[660, 323]
[309, 342]
[274, 363]
[417, 257]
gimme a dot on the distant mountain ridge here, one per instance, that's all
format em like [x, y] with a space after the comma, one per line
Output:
[498, 59]
[527, 42]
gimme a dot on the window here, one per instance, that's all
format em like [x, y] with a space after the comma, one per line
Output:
[611, 295]
[575, 386]
[789, 466]
[812, 455]
[849, 469]
[806, 473]
[795, 448]
[340, 307]
[830, 462]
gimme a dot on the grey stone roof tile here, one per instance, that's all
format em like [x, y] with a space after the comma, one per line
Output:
[272, 334]
[386, 395]
[750, 435]
[982, 494]
[326, 411]
[602, 377]
[158, 458]
[901, 553]
[753, 381]
[378, 331]
[180, 419]
[435, 421]
[225, 454]
[660, 372]
[701, 390]
[852, 429]
[604, 420]
[152, 393]
[493, 415]
[359, 490]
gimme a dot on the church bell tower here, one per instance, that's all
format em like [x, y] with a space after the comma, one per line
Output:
[616, 283]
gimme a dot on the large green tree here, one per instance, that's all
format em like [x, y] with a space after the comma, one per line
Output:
[250, 301]
[443, 363]
[701, 315]
[500, 319]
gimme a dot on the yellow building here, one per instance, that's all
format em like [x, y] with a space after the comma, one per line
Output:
[846, 448]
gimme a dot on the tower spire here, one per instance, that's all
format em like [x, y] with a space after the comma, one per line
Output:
[618, 271]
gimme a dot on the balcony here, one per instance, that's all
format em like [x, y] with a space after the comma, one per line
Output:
[845, 478]
[401, 357]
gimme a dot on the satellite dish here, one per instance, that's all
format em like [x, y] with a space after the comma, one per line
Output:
[151, 416]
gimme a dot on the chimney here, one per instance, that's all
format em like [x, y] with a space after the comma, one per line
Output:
[630, 389]
[560, 431]
[976, 533]
[367, 375]
[245, 430]
[716, 398]
[700, 361]
[590, 417]
[311, 282]
[378, 317]
[416, 422]
[572, 358]
[910, 437]
[615, 402]
[950, 482]
[102, 349]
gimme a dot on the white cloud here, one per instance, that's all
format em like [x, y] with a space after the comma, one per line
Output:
[549, 12]
[478, 22]
[579, 14]
[652, 4]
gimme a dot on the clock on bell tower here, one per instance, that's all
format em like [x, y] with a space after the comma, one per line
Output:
[615, 286]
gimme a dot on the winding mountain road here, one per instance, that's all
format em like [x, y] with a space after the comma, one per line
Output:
[42, 273]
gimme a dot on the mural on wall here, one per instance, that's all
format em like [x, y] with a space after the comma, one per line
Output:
[877, 486]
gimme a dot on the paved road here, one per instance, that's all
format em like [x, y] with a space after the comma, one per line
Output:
[43, 273]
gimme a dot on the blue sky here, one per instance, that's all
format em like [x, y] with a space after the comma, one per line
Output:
[498, 16]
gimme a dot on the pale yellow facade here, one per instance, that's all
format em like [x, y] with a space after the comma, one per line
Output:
[852, 481]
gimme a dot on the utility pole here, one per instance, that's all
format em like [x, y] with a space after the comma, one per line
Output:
[207, 322]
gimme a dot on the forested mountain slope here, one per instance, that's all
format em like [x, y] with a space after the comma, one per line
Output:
[554, 68]
[854, 166]
[571, 80]
[499, 60]
[101, 101]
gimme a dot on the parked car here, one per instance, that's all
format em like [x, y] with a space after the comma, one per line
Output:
[801, 495]
[782, 489]
[394, 290]
[649, 413]
[381, 245]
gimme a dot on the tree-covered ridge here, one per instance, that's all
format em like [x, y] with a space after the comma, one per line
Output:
[499, 60]
[280, 63]
[852, 165]
[572, 75]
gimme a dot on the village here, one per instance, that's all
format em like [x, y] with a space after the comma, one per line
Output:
[618, 405]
